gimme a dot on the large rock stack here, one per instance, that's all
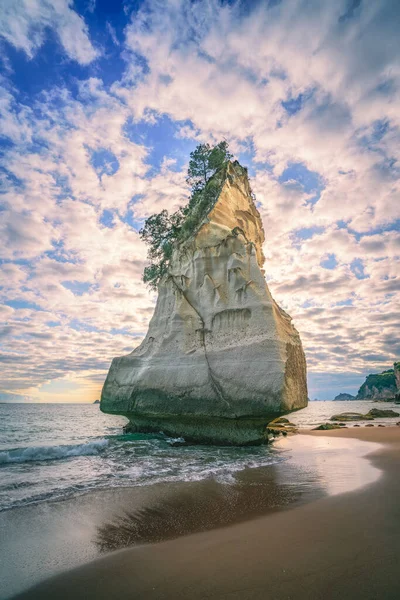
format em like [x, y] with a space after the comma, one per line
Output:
[220, 358]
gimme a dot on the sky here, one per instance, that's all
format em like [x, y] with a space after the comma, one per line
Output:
[102, 101]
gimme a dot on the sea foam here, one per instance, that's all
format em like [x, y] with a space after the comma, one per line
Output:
[39, 453]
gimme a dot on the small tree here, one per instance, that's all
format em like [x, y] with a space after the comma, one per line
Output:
[160, 231]
[204, 162]
[199, 170]
[219, 155]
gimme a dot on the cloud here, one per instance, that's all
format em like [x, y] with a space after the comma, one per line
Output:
[230, 73]
[307, 94]
[24, 25]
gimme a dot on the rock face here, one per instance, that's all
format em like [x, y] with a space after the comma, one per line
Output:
[220, 358]
[344, 397]
[328, 427]
[351, 416]
[396, 367]
[379, 386]
[377, 412]
[371, 414]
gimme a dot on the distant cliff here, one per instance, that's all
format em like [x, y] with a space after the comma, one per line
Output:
[220, 358]
[344, 397]
[381, 386]
[396, 367]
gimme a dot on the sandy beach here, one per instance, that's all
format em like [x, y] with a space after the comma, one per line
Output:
[338, 546]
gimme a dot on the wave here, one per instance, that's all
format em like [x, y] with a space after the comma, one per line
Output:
[39, 453]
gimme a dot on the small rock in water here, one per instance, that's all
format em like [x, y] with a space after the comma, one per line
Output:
[328, 426]
[281, 425]
[356, 425]
[380, 425]
[369, 425]
[351, 416]
[378, 412]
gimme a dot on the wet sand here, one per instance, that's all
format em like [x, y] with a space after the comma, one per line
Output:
[345, 545]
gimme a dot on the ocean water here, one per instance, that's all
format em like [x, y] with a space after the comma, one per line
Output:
[321, 411]
[58, 451]
[72, 486]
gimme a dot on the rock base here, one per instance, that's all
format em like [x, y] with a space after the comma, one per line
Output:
[223, 432]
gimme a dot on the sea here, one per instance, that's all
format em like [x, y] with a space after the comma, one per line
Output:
[74, 486]
[50, 452]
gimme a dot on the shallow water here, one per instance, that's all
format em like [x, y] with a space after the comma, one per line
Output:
[53, 452]
[320, 412]
[41, 539]
[58, 451]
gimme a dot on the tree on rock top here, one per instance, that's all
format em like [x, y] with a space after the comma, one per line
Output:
[204, 162]
[162, 230]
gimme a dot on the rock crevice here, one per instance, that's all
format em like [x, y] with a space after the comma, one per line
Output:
[218, 389]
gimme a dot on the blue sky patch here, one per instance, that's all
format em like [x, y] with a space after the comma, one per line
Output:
[161, 137]
[78, 288]
[22, 304]
[300, 177]
[293, 104]
[348, 302]
[357, 267]
[330, 262]
[107, 218]
[306, 233]
[104, 162]
[129, 218]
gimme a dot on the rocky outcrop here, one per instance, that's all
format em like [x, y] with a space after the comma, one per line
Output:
[374, 413]
[329, 426]
[378, 412]
[220, 358]
[351, 416]
[281, 426]
[396, 367]
[344, 397]
[380, 386]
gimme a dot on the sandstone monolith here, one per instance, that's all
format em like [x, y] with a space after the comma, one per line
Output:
[220, 359]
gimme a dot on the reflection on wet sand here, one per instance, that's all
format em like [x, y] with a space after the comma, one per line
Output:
[207, 505]
[314, 467]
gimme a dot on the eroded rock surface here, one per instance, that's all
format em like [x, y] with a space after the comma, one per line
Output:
[220, 358]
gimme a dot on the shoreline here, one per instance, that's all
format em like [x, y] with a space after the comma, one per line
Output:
[336, 546]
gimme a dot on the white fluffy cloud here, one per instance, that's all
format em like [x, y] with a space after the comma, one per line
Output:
[23, 24]
[314, 84]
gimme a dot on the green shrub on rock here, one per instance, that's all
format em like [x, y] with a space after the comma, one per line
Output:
[206, 174]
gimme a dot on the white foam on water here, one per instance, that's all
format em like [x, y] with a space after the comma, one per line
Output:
[40, 453]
